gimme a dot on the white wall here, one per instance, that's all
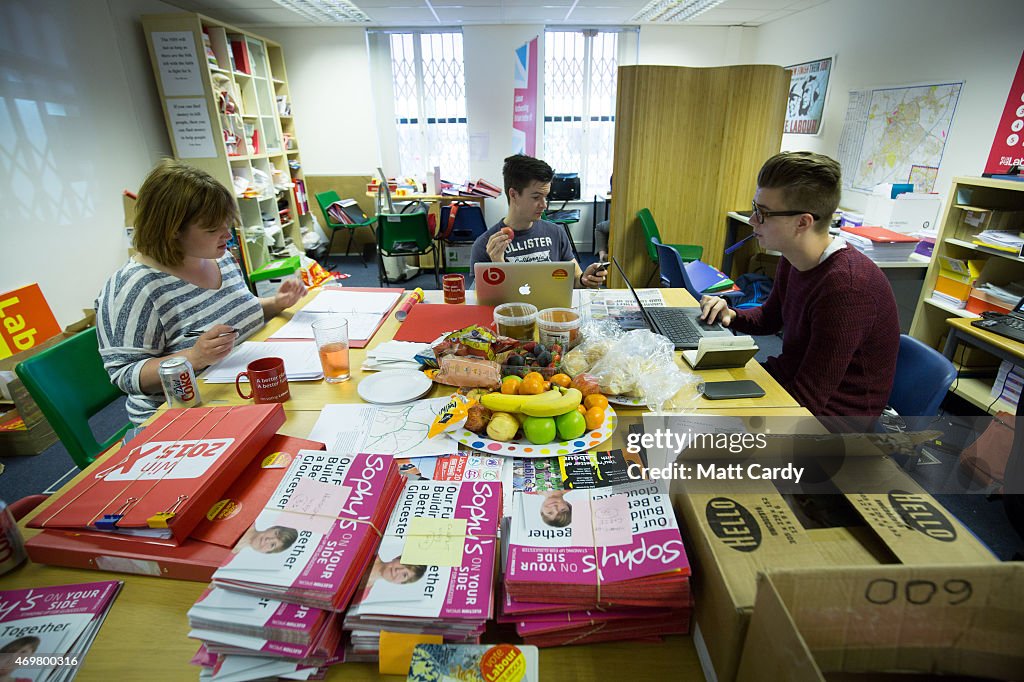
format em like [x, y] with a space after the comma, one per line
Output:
[329, 79]
[885, 43]
[79, 122]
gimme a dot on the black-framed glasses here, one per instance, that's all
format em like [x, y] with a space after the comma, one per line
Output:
[762, 214]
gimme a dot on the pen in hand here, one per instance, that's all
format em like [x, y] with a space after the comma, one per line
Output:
[192, 333]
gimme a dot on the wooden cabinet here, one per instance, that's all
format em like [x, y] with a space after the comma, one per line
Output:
[955, 240]
[228, 111]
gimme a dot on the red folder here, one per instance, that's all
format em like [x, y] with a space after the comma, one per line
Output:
[880, 234]
[190, 560]
[229, 517]
[168, 477]
[427, 321]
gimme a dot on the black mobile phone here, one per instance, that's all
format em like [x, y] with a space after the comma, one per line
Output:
[726, 390]
[603, 265]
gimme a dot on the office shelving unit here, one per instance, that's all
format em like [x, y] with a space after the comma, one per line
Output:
[227, 107]
[954, 240]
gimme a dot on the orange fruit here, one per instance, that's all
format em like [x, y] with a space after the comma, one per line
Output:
[595, 399]
[510, 385]
[562, 380]
[533, 384]
[582, 410]
[594, 417]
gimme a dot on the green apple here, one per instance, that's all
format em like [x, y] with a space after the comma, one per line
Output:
[539, 430]
[571, 425]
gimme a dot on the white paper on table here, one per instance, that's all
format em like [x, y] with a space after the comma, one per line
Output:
[301, 361]
[364, 311]
[360, 325]
[399, 430]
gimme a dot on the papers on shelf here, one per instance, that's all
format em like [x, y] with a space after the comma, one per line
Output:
[364, 311]
[400, 429]
[301, 362]
[394, 355]
[1002, 240]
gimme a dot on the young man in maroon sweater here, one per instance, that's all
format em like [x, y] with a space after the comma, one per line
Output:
[837, 308]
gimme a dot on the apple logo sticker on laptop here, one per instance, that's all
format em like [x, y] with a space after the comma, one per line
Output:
[525, 290]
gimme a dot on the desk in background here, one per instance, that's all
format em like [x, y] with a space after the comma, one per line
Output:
[905, 277]
[147, 628]
[976, 390]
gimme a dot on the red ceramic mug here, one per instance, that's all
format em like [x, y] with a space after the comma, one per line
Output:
[454, 287]
[268, 381]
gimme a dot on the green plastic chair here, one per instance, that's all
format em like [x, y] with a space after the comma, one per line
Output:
[405, 234]
[70, 385]
[325, 199]
[688, 252]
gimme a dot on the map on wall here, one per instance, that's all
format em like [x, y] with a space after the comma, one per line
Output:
[896, 135]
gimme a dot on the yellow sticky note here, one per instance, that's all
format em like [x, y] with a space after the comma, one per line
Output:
[396, 650]
[434, 542]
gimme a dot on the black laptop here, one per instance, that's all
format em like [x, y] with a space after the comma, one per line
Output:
[681, 326]
[1010, 325]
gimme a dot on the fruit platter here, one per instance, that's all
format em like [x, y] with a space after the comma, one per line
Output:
[533, 417]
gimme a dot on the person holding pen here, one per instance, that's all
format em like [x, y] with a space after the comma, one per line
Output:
[182, 293]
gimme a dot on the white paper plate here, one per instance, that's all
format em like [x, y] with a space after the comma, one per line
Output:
[394, 386]
[525, 449]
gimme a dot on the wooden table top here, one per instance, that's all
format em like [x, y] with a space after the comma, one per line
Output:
[146, 630]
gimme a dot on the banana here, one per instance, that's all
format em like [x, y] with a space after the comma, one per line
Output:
[501, 402]
[552, 408]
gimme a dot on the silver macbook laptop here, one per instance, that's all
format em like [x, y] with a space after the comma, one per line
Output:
[681, 326]
[545, 285]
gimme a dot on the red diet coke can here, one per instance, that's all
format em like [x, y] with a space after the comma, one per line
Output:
[179, 382]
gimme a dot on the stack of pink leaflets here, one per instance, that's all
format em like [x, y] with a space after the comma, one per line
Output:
[52, 623]
[595, 565]
[318, 533]
[273, 607]
[242, 624]
[435, 570]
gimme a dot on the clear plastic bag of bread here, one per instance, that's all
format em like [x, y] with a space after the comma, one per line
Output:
[598, 338]
[672, 389]
[633, 355]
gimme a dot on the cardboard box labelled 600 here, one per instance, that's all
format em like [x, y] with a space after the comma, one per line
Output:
[865, 622]
[735, 529]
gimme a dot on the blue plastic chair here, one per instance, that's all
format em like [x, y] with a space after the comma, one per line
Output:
[923, 377]
[673, 273]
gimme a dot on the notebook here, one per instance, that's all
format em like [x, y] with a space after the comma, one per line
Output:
[545, 285]
[679, 325]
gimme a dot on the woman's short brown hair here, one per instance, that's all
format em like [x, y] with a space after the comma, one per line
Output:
[808, 182]
[173, 196]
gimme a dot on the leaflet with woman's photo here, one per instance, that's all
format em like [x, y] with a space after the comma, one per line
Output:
[56, 621]
[582, 536]
[311, 542]
[439, 569]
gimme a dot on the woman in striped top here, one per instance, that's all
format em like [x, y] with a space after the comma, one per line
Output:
[181, 278]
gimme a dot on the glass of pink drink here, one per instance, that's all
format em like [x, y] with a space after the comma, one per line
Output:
[331, 334]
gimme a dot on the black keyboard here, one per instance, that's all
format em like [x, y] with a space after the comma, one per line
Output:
[677, 324]
[1010, 326]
